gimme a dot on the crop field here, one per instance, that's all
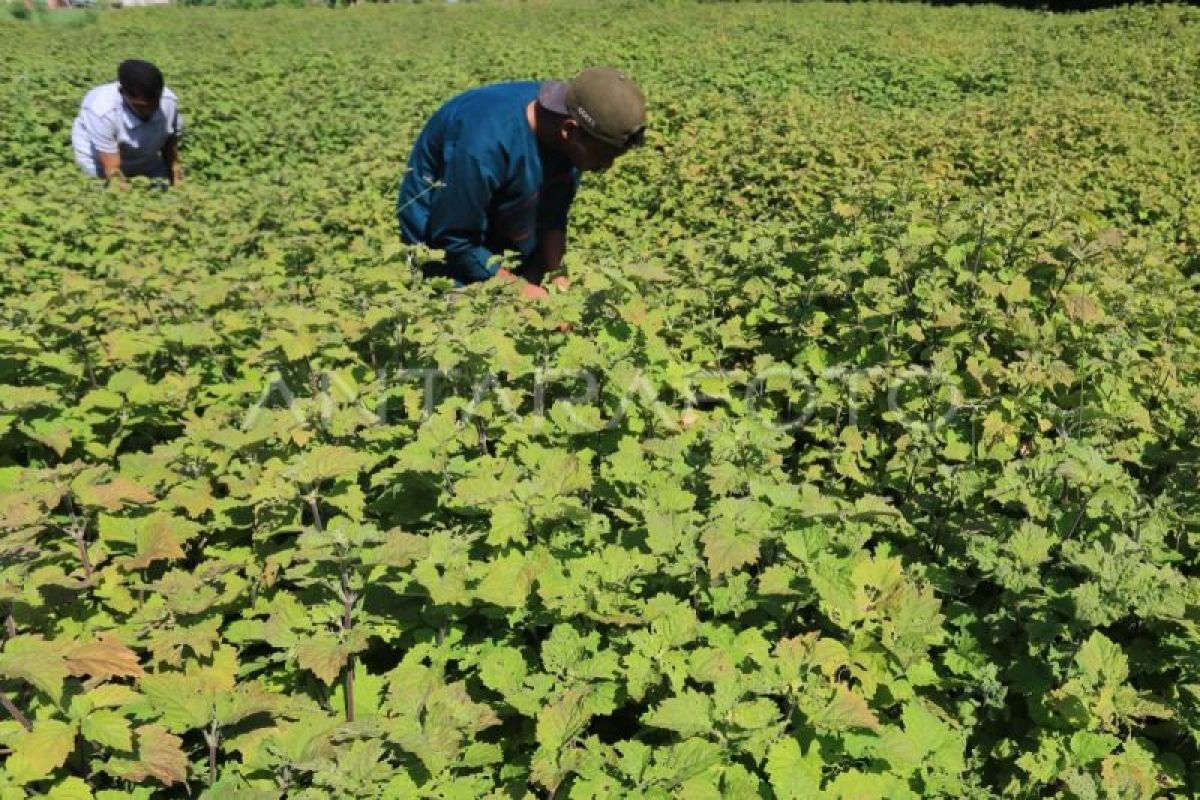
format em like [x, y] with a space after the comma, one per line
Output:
[860, 460]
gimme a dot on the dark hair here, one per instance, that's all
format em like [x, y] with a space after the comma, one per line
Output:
[140, 79]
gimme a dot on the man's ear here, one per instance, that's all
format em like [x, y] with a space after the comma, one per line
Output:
[568, 130]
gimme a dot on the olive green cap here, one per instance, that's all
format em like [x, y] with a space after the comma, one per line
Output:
[604, 101]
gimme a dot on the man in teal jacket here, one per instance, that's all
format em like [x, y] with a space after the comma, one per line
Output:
[496, 169]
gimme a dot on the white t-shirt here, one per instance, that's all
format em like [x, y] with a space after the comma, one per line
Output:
[107, 125]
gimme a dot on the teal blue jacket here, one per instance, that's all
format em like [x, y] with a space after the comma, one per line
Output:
[478, 183]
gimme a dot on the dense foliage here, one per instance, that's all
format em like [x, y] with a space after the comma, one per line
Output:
[866, 469]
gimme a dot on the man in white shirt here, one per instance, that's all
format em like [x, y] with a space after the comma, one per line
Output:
[130, 127]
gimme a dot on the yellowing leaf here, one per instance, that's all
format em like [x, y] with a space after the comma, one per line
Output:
[220, 676]
[114, 495]
[103, 659]
[194, 497]
[159, 756]
[295, 346]
[726, 550]
[1082, 308]
[158, 538]
[846, 711]
[323, 656]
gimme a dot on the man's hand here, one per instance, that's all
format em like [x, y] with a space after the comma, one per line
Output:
[110, 168]
[531, 291]
[528, 290]
[176, 174]
[562, 282]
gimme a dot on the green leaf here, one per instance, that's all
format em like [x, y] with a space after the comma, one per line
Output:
[738, 782]
[1102, 661]
[689, 759]
[956, 449]
[503, 670]
[32, 659]
[70, 789]
[110, 695]
[244, 701]
[509, 524]
[368, 693]
[563, 719]
[328, 462]
[178, 700]
[856, 785]
[754, 714]
[107, 728]
[399, 549]
[794, 775]
[559, 472]
[687, 714]
[926, 742]
[506, 581]
[37, 753]
[628, 464]
[309, 738]
[1088, 747]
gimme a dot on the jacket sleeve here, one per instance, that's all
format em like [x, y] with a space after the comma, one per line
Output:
[101, 129]
[458, 215]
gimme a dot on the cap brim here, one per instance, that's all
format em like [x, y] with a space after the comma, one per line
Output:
[552, 96]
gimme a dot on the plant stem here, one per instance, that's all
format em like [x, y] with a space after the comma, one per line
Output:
[15, 712]
[213, 737]
[83, 553]
[87, 362]
[78, 531]
[347, 622]
[8, 705]
[316, 512]
[347, 614]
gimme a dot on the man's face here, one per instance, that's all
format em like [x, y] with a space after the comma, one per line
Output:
[586, 151]
[143, 107]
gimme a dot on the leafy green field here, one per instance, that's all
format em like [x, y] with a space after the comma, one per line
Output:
[279, 519]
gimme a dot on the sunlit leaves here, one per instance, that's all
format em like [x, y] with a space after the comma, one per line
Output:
[865, 468]
[108, 728]
[37, 753]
